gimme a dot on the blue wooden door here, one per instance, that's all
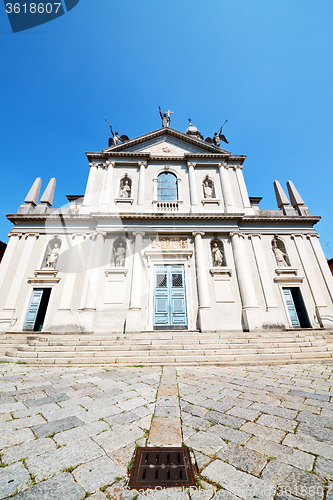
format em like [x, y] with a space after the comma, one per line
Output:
[291, 307]
[33, 309]
[169, 297]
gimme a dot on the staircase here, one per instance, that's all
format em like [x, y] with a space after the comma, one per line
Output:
[168, 348]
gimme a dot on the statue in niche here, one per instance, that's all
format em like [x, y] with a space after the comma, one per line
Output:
[119, 254]
[208, 188]
[217, 254]
[52, 256]
[281, 257]
[125, 189]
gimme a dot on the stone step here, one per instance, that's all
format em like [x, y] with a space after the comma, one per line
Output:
[170, 360]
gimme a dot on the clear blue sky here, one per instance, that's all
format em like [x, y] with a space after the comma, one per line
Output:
[266, 66]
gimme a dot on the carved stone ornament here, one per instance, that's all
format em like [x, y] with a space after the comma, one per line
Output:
[169, 243]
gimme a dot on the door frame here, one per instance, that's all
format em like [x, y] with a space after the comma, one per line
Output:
[157, 258]
[294, 285]
[169, 272]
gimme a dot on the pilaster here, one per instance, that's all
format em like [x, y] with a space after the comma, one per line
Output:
[228, 197]
[134, 316]
[205, 313]
[142, 183]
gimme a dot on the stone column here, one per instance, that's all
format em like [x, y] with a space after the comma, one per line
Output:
[250, 310]
[21, 269]
[193, 187]
[205, 313]
[133, 320]
[274, 317]
[8, 255]
[321, 309]
[142, 175]
[107, 200]
[325, 270]
[242, 187]
[228, 197]
[86, 205]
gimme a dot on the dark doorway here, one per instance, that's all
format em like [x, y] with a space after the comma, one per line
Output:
[296, 308]
[37, 309]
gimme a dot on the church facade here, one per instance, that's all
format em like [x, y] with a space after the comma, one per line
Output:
[165, 237]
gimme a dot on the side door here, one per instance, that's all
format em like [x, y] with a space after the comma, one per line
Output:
[33, 309]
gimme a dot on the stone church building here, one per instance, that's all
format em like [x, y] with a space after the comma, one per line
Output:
[165, 237]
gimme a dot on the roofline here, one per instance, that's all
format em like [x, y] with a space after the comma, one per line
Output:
[165, 131]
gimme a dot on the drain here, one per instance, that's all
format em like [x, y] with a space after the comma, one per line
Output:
[165, 467]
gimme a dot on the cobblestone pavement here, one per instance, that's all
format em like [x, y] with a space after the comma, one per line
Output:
[256, 432]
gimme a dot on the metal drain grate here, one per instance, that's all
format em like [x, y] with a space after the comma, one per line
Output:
[165, 467]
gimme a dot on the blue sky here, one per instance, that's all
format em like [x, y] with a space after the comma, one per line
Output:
[265, 65]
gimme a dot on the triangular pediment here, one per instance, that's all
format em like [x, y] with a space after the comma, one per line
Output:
[166, 142]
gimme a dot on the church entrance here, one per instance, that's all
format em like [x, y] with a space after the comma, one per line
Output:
[169, 297]
[296, 307]
[37, 309]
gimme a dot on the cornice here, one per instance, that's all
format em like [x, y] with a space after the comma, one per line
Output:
[126, 215]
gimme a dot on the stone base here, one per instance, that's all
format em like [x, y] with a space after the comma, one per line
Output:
[133, 321]
[252, 319]
[206, 319]
[324, 318]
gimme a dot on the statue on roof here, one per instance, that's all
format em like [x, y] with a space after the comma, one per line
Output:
[165, 117]
[218, 137]
[115, 139]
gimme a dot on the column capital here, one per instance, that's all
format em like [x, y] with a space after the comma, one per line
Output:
[293, 235]
[142, 163]
[95, 164]
[74, 235]
[141, 233]
[31, 234]
[238, 166]
[252, 235]
[15, 234]
[223, 165]
[314, 235]
[95, 234]
[191, 163]
[195, 233]
[110, 163]
[237, 233]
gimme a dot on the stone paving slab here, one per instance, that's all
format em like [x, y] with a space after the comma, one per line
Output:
[97, 473]
[28, 449]
[266, 423]
[51, 462]
[59, 487]
[13, 478]
[60, 425]
[239, 483]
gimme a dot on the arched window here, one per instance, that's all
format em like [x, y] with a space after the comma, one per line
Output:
[167, 188]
